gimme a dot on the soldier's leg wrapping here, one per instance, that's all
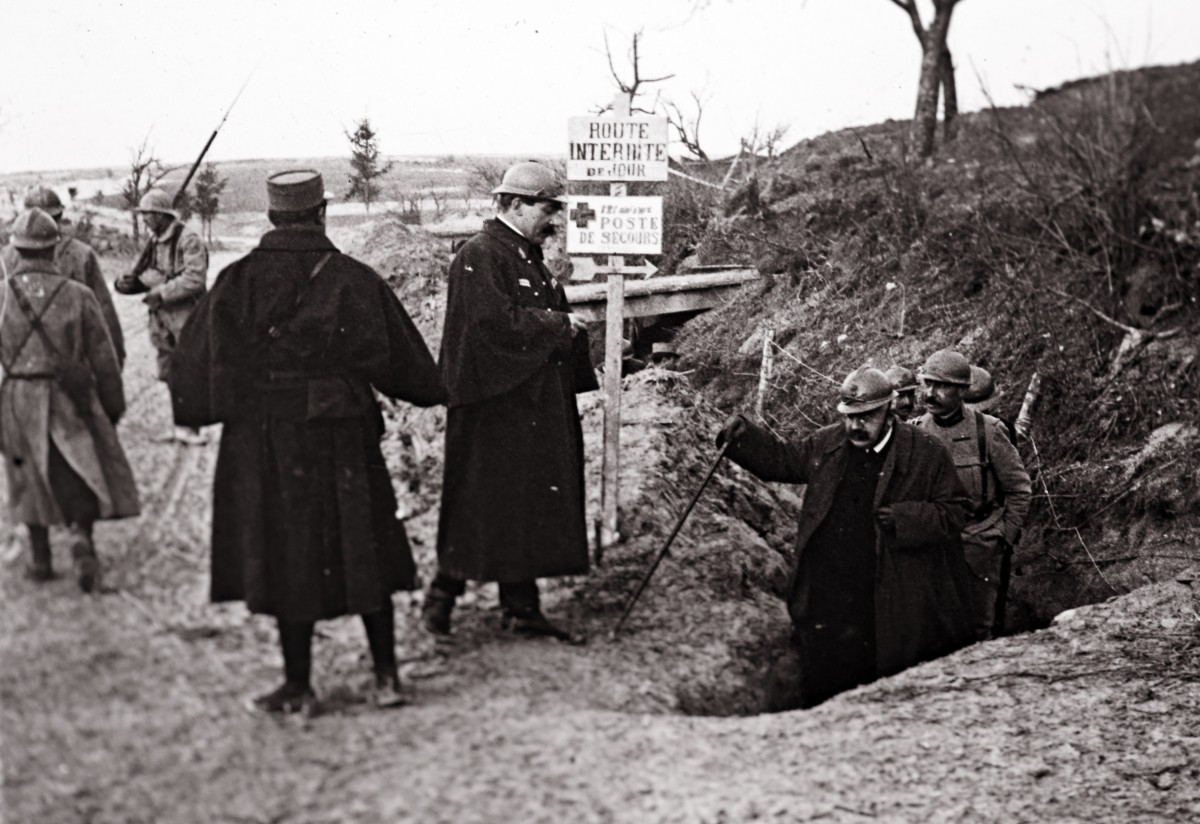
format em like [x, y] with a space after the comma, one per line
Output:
[295, 641]
[984, 555]
[41, 566]
[381, 638]
[520, 597]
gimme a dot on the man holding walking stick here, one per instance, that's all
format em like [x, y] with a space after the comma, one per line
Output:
[879, 581]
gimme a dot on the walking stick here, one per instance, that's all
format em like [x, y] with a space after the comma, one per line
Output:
[663, 552]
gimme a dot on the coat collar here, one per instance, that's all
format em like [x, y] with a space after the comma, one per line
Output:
[509, 236]
[30, 267]
[297, 239]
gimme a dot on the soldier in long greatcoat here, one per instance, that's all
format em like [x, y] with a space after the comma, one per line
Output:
[73, 259]
[285, 351]
[990, 469]
[879, 582]
[513, 357]
[171, 284]
[59, 400]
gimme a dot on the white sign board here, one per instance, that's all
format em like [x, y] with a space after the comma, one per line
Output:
[601, 225]
[617, 148]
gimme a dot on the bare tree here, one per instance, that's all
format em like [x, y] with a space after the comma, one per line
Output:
[631, 88]
[773, 139]
[687, 130]
[440, 198]
[145, 170]
[937, 74]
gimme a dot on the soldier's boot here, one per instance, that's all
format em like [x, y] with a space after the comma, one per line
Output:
[388, 691]
[292, 697]
[533, 623]
[435, 612]
[83, 555]
[41, 567]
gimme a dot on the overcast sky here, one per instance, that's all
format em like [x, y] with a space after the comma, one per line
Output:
[85, 81]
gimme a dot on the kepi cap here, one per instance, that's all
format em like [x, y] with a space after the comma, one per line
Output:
[865, 389]
[296, 190]
[34, 229]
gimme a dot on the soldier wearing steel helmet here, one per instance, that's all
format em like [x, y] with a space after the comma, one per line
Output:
[904, 382]
[59, 401]
[74, 259]
[879, 582]
[513, 356]
[990, 469]
[287, 351]
[171, 284]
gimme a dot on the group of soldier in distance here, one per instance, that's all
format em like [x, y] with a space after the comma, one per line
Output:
[902, 539]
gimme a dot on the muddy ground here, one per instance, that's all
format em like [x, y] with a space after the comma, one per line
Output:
[129, 706]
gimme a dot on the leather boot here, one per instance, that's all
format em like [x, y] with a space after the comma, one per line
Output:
[83, 555]
[435, 612]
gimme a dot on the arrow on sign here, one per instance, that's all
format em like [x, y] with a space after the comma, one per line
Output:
[586, 269]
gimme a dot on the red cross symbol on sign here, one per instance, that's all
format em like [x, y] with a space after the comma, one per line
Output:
[582, 215]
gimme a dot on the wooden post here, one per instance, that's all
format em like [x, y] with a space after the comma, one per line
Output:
[764, 372]
[614, 340]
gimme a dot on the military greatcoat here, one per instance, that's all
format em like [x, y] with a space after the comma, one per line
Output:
[922, 588]
[76, 260]
[178, 272]
[285, 352]
[36, 415]
[513, 497]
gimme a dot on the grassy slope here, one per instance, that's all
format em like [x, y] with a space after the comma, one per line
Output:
[1006, 247]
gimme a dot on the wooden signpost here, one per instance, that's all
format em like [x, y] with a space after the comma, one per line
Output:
[617, 148]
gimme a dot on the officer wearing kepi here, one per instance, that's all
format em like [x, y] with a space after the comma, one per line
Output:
[59, 401]
[172, 284]
[287, 351]
[74, 259]
[991, 470]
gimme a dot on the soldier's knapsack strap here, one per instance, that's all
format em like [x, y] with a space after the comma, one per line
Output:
[35, 321]
[276, 330]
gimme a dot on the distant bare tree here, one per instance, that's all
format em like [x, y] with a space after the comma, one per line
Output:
[773, 139]
[631, 88]
[486, 174]
[687, 130]
[440, 198]
[145, 170]
[937, 74]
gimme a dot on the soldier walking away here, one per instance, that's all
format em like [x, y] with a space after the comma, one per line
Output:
[513, 357]
[172, 284]
[73, 259]
[59, 400]
[904, 382]
[879, 583]
[285, 351]
[990, 469]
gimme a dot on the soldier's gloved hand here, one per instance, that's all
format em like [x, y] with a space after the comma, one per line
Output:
[734, 428]
[886, 518]
[578, 324]
[129, 284]
[153, 299]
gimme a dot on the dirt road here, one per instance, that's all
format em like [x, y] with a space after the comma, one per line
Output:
[128, 707]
